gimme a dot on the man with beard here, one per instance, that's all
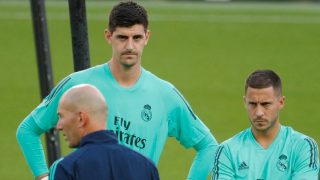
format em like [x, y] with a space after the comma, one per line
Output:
[266, 150]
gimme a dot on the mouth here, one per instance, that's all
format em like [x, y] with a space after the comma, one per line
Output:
[260, 121]
[127, 54]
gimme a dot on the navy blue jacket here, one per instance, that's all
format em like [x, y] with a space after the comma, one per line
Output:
[100, 157]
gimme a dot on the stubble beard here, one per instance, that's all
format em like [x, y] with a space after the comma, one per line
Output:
[264, 126]
[128, 63]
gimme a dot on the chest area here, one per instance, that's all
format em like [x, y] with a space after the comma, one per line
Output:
[264, 164]
[128, 111]
[127, 108]
[136, 116]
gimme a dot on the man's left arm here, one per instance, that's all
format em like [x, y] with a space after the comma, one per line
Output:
[204, 159]
[307, 161]
[190, 131]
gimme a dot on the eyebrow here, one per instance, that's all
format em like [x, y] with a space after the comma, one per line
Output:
[262, 103]
[265, 103]
[138, 36]
[121, 36]
[125, 36]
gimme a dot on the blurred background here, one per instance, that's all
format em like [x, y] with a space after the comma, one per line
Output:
[205, 48]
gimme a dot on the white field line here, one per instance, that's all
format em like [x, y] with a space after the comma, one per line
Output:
[241, 18]
[283, 6]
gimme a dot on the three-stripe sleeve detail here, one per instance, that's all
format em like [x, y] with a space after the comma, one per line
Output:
[56, 90]
[215, 170]
[185, 103]
[313, 153]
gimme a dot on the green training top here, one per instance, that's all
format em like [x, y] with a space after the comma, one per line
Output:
[291, 155]
[142, 116]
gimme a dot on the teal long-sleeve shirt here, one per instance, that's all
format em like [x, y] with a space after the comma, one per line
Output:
[292, 155]
[142, 116]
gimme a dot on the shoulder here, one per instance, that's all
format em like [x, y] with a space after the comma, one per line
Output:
[299, 140]
[71, 163]
[237, 139]
[228, 151]
[79, 158]
[296, 137]
[126, 157]
[157, 80]
[54, 166]
[236, 143]
[81, 76]
[132, 155]
[58, 171]
[93, 154]
[68, 161]
[163, 88]
[304, 150]
[87, 73]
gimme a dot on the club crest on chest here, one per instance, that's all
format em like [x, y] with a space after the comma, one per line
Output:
[282, 163]
[146, 113]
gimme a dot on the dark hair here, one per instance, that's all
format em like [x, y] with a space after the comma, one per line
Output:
[127, 14]
[263, 79]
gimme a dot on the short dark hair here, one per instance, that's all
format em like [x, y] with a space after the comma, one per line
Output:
[127, 14]
[263, 79]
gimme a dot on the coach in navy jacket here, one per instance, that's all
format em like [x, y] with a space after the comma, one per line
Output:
[99, 155]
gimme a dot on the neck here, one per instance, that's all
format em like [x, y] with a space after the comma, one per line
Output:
[125, 76]
[265, 138]
[93, 127]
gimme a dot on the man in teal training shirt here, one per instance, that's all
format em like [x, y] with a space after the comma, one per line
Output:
[143, 109]
[267, 150]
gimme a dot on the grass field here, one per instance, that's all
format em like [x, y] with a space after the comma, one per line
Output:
[205, 49]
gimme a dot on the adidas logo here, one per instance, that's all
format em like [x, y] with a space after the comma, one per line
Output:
[243, 166]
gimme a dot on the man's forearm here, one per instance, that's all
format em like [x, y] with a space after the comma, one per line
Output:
[28, 136]
[203, 161]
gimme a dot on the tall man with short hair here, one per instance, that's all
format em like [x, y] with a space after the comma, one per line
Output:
[144, 110]
[266, 150]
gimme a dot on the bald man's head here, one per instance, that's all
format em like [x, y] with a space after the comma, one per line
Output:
[82, 110]
[87, 98]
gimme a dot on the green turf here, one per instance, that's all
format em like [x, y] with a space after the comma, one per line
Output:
[205, 49]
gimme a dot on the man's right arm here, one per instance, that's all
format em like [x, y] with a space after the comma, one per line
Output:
[28, 136]
[41, 119]
[222, 168]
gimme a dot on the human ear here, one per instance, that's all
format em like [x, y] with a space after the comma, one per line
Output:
[107, 35]
[83, 119]
[282, 101]
[147, 37]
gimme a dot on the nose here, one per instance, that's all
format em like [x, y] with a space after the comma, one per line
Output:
[259, 111]
[129, 45]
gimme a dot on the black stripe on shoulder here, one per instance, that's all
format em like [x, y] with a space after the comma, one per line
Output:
[215, 170]
[313, 153]
[189, 108]
[55, 91]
